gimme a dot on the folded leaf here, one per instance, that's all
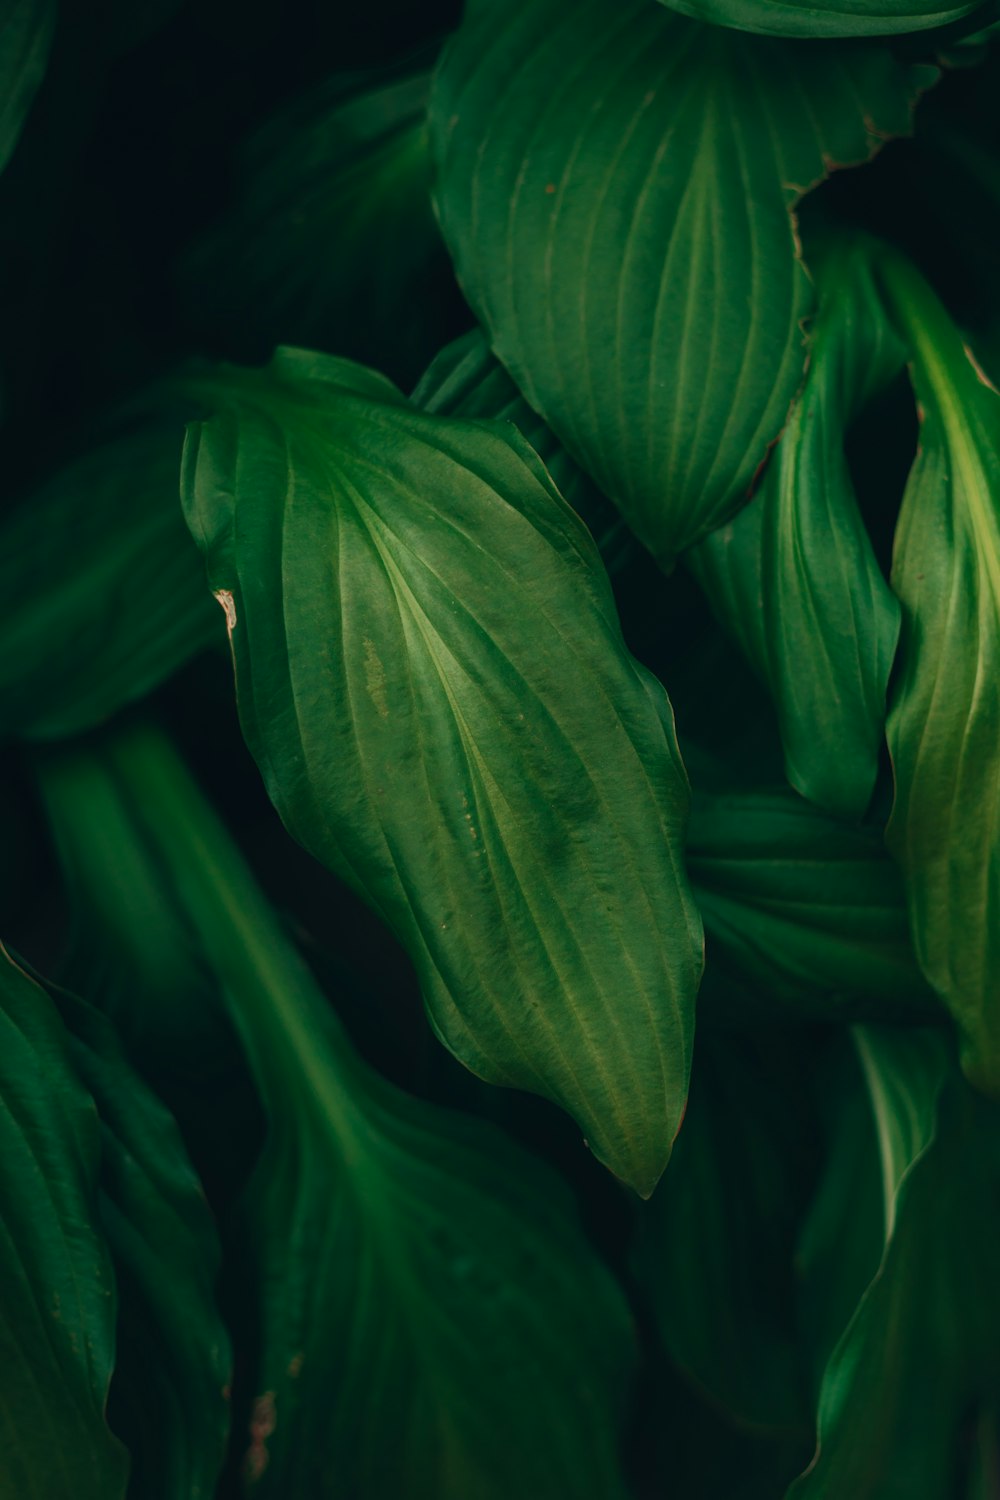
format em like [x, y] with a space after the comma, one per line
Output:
[794, 577]
[404, 1265]
[804, 905]
[57, 1317]
[918, 1363]
[26, 28]
[432, 679]
[832, 18]
[467, 380]
[113, 600]
[945, 704]
[332, 241]
[616, 184]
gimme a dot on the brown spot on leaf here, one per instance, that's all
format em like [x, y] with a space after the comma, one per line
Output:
[263, 1420]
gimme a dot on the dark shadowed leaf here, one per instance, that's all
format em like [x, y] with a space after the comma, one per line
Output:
[806, 906]
[26, 28]
[832, 18]
[945, 704]
[794, 577]
[432, 679]
[404, 1265]
[917, 1369]
[616, 184]
[58, 1306]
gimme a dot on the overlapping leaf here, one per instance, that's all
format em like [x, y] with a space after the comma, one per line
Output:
[806, 906]
[26, 28]
[917, 1367]
[945, 707]
[58, 1309]
[794, 577]
[420, 1310]
[832, 18]
[616, 183]
[432, 679]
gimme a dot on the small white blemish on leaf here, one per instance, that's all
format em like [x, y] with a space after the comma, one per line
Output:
[225, 598]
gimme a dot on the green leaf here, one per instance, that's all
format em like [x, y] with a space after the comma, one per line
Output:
[467, 380]
[918, 1362]
[58, 1317]
[26, 28]
[616, 184]
[403, 1262]
[715, 1253]
[805, 906]
[834, 18]
[945, 706]
[471, 747]
[112, 600]
[169, 1395]
[332, 241]
[794, 577]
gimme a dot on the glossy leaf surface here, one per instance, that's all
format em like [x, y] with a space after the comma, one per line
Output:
[616, 184]
[794, 577]
[831, 18]
[469, 745]
[917, 1365]
[404, 1261]
[57, 1319]
[945, 708]
[806, 906]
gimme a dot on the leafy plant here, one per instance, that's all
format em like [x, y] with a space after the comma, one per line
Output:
[502, 1000]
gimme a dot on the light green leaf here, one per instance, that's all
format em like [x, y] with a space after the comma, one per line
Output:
[918, 1362]
[616, 184]
[467, 380]
[833, 18]
[58, 1308]
[26, 28]
[794, 577]
[804, 905]
[405, 1265]
[332, 241]
[432, 679]
[945, 705]
[113, 600]
[169, 1395]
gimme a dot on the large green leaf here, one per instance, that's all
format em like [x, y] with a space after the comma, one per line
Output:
[26, 28]
[794, 577]
[715, 1253]
[432, 679]
[425, 1317]
[169, 1397]
[332, 241]
[805, 906]
[616, 184]
[58, 1307]
[101, 596]
[918, 1364]
[832, 18]
[945, 705]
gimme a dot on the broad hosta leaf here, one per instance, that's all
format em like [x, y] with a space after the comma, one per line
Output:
[832, 18]
[467, 380]
[26, 28]
[808, 907]
[332, 242]
[918, 1363]
[408, 1265]
[794, 578]
[432, 679]
[716, 1244]
[58, 1307]
[616, 184]
[169, 1395]
[942, 728]
[112, 599]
